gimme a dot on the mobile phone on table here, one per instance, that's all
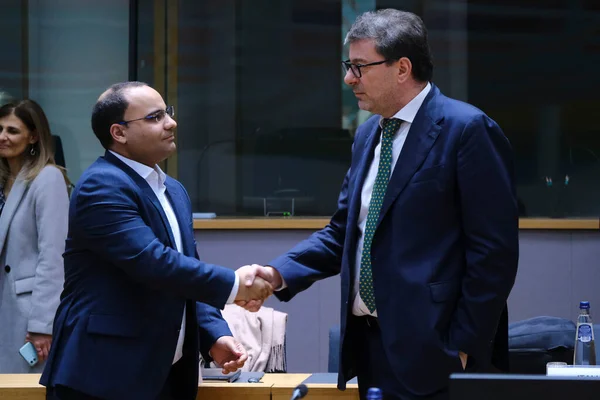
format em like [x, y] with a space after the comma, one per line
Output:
[29, 354]
[215, 374]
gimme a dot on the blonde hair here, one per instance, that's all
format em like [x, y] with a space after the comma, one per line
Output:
[34, 118]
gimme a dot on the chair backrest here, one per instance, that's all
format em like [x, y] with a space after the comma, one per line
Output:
[334, 349]
[59, 155]
[536, 341]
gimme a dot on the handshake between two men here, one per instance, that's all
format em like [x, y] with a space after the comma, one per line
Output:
[257, 283]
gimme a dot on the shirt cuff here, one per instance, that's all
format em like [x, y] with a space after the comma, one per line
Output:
[234, 290]
[283, 285]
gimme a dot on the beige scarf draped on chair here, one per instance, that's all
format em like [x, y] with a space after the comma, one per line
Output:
[262, 334]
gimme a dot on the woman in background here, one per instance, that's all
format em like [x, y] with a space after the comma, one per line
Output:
[34, 205]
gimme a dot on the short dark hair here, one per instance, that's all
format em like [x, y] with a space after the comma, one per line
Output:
[396, 34]
[110, 109]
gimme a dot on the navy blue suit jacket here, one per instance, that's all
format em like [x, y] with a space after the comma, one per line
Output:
[445, 248]
[126, 285]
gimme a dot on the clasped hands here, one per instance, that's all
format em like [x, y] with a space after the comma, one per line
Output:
[256, 285]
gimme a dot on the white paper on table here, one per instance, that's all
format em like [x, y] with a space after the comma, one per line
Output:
[579, 371]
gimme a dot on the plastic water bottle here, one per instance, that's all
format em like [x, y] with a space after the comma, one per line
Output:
[585, 349]
[374, 394]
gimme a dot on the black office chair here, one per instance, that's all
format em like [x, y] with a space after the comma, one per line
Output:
[334, 349]
[59, 155]
[537, 341]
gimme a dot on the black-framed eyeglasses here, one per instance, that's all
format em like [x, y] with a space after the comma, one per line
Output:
[157, 116]
[355, 68]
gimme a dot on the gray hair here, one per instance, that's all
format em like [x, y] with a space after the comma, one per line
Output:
[396, 34]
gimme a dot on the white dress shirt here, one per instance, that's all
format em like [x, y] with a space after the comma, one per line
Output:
[407, 115]
[156, 179]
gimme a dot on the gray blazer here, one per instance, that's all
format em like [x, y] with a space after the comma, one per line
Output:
[33, 229]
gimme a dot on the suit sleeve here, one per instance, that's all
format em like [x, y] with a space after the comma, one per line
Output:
[490, 220]
[319, 256]
[211, 325]
[51, 215]
[107, 220]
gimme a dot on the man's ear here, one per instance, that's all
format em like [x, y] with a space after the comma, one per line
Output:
[117, 132]
[404, 69]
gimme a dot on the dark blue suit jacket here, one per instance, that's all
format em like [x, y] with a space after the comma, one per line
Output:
[126, 285]
[445, 249]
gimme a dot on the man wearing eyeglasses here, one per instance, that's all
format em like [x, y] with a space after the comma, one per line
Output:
[425, 236]
[128, 322]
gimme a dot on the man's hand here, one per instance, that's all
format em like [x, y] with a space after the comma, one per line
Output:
[463, 359]
[228, 353]
[267, 273]
[41, 343]
[251, 287]
[252, 273]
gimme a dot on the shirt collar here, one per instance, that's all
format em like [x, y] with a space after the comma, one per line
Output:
[409, 111]
[149, 174]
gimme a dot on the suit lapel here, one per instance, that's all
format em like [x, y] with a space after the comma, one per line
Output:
[421, 136]
[147, 190]
[156, 203]
[365, 153]
[362, 168]
[8, 212]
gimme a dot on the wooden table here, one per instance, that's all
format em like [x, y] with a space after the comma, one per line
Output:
[21, 387]
[284, 384]
[271, 387]
[241, 390]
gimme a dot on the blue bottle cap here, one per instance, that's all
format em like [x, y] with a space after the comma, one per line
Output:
[584, 305]
[374, 393]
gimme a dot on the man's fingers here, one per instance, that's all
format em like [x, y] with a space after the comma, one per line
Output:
[46, 351]
[230, 366]
[249, 278]
[242, 359]
[264, 273]
[260, 290]
[252, 305]
[249, 273]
